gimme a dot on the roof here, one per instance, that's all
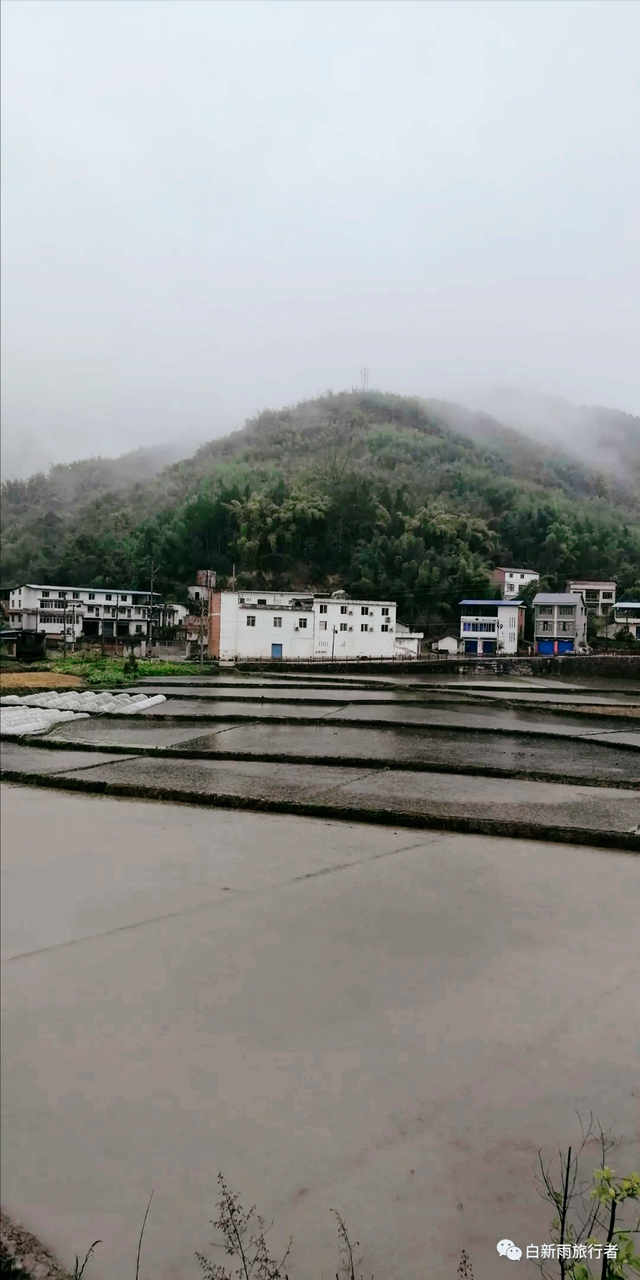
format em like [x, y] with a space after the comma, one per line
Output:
[507, 568]
[592, 582]
[557, 597]
[304, 595]
[119, 591]
[500, 604]
[628, 604]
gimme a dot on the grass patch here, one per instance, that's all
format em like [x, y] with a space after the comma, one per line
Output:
[122, 671]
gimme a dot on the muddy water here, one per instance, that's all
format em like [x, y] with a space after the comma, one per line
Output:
[386, 1022]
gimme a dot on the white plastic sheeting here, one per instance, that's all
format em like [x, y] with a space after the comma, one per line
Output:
[38, 712]
[21, 720]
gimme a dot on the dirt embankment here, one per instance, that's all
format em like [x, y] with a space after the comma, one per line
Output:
[23, 1255]
[34, 681]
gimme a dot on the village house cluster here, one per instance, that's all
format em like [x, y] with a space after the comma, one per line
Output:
[284, 625]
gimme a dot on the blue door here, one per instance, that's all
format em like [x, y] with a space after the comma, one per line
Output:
[471, 646]
[545, 646]
[276, 651]
[488, 646]
[565, 646]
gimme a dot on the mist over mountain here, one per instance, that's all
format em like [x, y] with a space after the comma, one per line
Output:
[605, 439]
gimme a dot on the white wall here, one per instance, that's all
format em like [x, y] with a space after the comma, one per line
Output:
[353, 642]
[505, 633]
[516, 579]
[240, 640]
[42, 601]
[448, 644]
[300, 631]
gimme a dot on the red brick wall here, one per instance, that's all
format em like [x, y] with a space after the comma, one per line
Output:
[215, 604]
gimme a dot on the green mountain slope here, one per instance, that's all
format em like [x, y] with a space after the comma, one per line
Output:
[384, 495]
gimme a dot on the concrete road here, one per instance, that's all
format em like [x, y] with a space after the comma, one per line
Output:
[386, 1022]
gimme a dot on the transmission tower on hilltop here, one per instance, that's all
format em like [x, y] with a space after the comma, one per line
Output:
[364, 379]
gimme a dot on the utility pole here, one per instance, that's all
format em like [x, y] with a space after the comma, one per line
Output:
[233, 579]
[64, 627]
[333, 642]
[153, 568]
[201, 632]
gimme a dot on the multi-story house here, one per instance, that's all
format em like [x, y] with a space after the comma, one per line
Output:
[627, 617]
[560, 624]
[512, 581]
[490, 626]
[289, 624]
[599, 597]
[89, 612]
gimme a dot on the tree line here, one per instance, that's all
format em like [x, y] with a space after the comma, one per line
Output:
[375, 494]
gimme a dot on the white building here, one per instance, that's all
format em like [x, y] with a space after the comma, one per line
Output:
[87, 612]
[627, 617]
[289, 625]
[490, 626]
[512, 581]
[448, 644]
[560, 624]
[599, 597]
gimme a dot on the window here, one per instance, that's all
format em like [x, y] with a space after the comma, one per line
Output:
[323, 608]
[302, 623]
[607, 595]
[241, 600]
[385, 626]
[90, 608]
[128, 613]
[251, 619]
[76, 595]
[138, 630]
[364, 609]
[546, 626]
[323, 626]
[108, 597]
[512, 637]
[343, 608]
[46, 594]
[277, 622]
[467, 626]
[545, 610]
[385, 613]
[566, 609]
[262, 602]
[196, 595]
[92, 595]
[364, 626]
[343, 626]
[123, 599]
[565, 626]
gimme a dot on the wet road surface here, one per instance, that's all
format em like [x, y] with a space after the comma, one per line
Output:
[387, 1022]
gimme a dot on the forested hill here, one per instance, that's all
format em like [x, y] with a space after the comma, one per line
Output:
[384, 495]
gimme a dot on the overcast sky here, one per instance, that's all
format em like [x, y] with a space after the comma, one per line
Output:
[212, 207]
